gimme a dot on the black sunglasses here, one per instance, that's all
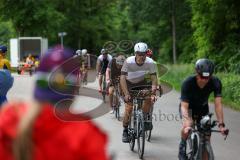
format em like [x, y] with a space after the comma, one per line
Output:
[141, 53]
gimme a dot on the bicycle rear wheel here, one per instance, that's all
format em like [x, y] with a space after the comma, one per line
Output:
[140, 135]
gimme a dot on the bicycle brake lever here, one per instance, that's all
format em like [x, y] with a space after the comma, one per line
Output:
[226, 133]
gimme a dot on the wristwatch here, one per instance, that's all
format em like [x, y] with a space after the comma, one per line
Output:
[221, 125]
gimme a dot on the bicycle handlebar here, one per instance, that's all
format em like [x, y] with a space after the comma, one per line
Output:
[226, 132]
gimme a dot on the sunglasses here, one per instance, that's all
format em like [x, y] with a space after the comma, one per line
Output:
[204, 78]
[141, 53]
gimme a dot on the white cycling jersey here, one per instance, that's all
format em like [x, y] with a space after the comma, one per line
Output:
[109, 58]
[136, 73]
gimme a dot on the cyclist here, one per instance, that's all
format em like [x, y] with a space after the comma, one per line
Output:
[85, 64]
[23, 129]
[149, 53]
[113, 72]
[195, 93]
[4, 63]
[132, 75]
[102, 64]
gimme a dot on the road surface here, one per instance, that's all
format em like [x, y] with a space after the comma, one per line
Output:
[165, 137]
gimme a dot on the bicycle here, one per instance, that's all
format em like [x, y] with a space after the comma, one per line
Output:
[116, 98]
[198, 139]
[136, 127]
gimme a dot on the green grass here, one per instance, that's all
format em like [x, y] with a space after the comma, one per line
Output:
[231, 83]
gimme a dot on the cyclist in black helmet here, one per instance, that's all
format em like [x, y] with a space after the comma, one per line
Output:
[195, 93]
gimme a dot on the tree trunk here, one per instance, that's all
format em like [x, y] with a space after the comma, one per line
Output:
[174, 33]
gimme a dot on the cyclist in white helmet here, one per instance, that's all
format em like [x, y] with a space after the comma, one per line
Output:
[132, 74]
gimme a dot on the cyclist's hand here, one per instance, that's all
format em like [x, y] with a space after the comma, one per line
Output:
[109, 81]
[153, 98]
[127, 98]
[224, 131]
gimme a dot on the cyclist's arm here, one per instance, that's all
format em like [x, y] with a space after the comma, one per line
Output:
[123, 78]
[219, 109]
[108, 73]
[154, 83]
[98, 66]
[187, 119]
[123, 84]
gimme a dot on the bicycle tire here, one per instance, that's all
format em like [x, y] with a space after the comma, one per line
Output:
[104, 89]
[140, 135]
[131, 132]
[148, 135]
[209, 150]
[192, 147]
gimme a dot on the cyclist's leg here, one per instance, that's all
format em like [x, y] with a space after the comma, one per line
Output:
[100, 82]
[111, 90]
[126, 118]
[186, 125]
[147, 105]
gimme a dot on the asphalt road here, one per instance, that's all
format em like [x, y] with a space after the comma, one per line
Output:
[166, 122]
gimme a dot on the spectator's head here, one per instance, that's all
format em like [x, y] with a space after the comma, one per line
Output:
[3, 50]
[54, 78]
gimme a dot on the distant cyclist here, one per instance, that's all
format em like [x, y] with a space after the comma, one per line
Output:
[133, 74]
[195, 93]
[101, 67]
[112, 74]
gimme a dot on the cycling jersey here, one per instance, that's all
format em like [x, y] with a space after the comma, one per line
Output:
[136, 73]
[198, 97]
[115, 72]
[104, 63]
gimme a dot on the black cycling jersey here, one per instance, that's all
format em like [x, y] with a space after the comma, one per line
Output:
[104, 65]
[115, 72]
[198, 97]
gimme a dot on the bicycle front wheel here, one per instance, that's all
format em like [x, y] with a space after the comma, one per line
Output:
[131, 132]
[192, 147]
[140, 135]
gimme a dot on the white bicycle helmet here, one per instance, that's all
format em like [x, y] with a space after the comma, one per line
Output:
[84, 52]
[78, 52]
[140, 47]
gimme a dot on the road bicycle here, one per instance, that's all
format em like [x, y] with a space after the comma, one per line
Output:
[136, 128]
[116, 98]
[198, 143]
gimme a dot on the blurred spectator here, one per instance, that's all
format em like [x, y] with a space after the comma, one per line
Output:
[6, 82]
[32, 130]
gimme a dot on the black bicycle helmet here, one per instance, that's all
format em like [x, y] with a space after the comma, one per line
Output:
[204, 67]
